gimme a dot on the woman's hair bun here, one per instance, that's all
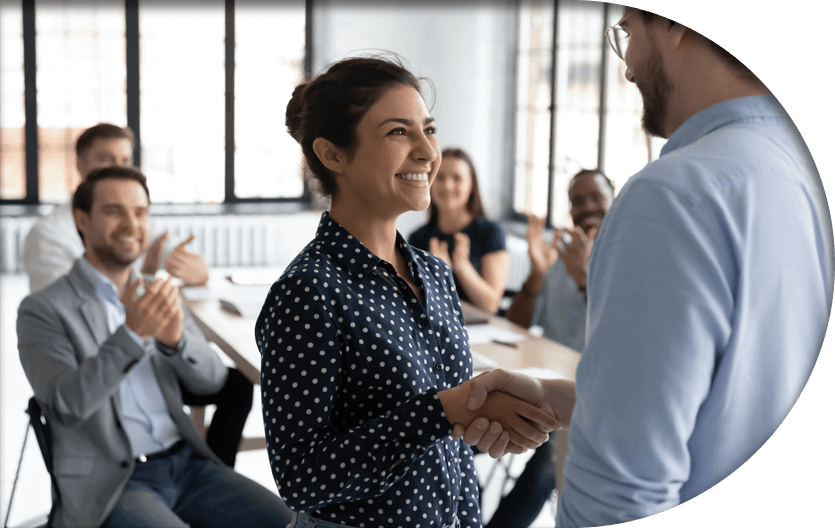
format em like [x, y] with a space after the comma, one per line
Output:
[294, 115]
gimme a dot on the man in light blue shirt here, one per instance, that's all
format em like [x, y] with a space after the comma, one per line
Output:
[709, 288]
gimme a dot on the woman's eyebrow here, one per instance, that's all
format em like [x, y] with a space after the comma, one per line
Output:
[407, 122]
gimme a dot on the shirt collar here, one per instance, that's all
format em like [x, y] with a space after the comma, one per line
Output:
[105, 287]
[350, 252]
[755, 107]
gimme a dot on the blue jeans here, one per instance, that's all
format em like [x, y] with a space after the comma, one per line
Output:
[182, 490]
[303, 520]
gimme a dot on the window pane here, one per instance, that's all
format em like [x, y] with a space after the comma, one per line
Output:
[182, 100]
[533, 113]
[12, 116]
[579, 51]
[81, 78]
[627, 147]
[269, 62]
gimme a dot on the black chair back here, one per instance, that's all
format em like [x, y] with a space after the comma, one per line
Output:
[43, 433]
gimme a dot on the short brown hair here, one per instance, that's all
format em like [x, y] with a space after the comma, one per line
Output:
[735, 64]
[102, 131]
[83, 197]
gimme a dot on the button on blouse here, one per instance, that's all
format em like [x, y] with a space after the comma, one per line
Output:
[351, 366]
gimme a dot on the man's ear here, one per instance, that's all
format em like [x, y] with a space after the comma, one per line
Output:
[676, 33]
[80, 166]
[330, 156]
[82, 220]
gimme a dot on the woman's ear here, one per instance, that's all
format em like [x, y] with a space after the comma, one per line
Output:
[330, 156]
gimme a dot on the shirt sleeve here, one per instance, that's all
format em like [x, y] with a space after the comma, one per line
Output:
[73, 389]
[494, 238]
[660, 306]
[317, 458]
[46, 257]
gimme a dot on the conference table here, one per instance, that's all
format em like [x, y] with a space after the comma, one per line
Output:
[226, 309]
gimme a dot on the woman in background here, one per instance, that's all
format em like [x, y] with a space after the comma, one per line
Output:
[460, 234]
[365, 361]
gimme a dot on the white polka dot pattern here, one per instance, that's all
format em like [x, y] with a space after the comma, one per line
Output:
[351, 364]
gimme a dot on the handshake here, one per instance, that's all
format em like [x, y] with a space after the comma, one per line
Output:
[504, 412]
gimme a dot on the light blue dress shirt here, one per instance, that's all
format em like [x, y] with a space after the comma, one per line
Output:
[144, 412]
[708, 301]
[561, 308]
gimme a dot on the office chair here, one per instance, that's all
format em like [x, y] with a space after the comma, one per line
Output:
[43, 434]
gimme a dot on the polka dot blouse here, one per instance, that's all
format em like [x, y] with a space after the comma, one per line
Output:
[351, 366]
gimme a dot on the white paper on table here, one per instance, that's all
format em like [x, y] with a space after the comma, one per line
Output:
[539, 372]
[482, 363]
[487, 333]
[198, 293]
[254, 277]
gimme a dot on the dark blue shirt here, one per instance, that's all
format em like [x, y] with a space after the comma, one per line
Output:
[485, 237]
[351, 366]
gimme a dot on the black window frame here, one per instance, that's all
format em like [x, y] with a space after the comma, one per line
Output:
[603, 110]
[132, 65]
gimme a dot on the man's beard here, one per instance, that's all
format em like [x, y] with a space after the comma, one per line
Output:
[655, 91]
[110, 258]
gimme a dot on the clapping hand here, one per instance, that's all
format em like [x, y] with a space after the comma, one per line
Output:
[541, 254]
[577, 252]
[186, 265]
[440, 249]
[156, 313]
[461, 251]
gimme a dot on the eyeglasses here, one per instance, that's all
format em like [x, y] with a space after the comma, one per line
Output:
[619, 37]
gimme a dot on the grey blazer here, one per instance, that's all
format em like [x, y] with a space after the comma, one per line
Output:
[75, 366]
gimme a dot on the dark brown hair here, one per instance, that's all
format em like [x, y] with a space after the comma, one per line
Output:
[332, 104]
[101, 131]
[474, 204]
[596, 172]
[83, 197]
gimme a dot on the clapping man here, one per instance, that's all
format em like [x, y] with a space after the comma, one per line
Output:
[53, 245]
[106, 356]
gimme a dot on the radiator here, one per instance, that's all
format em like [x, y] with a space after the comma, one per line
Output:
[223, 240]
[13, 230]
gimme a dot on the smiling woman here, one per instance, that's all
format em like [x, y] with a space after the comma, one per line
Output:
[460, 234]
[364, 355]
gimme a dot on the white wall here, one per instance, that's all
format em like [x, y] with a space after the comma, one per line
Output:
[466, 50]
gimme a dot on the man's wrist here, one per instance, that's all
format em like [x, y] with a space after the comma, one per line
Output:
[532, 285]
[168, 349]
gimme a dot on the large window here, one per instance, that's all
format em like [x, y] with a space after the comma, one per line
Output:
[80, 82]
[202, 85]
[12, 115]
[575, 109]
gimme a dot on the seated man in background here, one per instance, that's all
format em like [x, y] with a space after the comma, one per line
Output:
[554, 297]
[53, 245]
[106, 361]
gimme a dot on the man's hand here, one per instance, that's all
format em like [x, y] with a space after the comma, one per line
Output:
[157, 313]
[440, 249]
[153, 256]
[577, 253]
[541, 254]
[555, 395]
[187, 266]
[526, 425]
